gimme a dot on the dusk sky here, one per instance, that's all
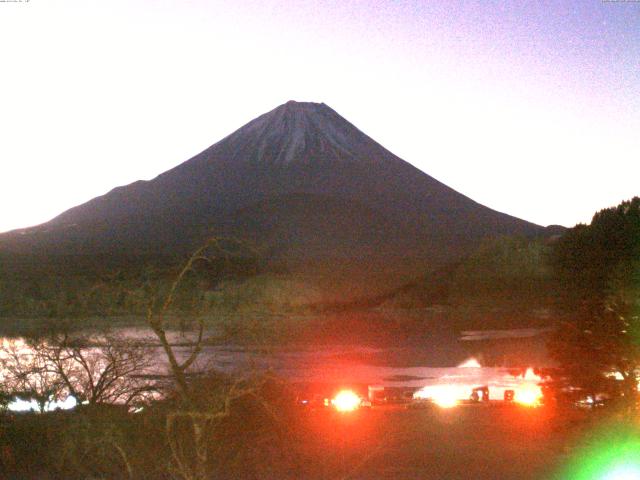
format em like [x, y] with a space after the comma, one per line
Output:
[530, 108]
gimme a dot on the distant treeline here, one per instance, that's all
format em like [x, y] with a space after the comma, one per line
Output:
[507, 282]
[66, 286]
[502, 270]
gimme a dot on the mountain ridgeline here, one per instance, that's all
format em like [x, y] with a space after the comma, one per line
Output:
[314, 194]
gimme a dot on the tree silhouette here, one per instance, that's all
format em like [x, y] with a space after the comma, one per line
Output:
[599, 269]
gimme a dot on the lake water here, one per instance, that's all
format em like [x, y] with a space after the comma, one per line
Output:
[352, 364]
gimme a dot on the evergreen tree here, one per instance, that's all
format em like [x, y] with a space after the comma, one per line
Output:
[598, 344]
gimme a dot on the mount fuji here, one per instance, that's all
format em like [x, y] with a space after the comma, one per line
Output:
[301, 183]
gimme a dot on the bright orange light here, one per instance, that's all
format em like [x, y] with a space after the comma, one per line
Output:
[445, 396]
[528, 394]
[346, 401]
[445, 399]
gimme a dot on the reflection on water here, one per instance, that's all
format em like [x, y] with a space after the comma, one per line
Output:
[20, 405]
[17, 360]
[335, 364]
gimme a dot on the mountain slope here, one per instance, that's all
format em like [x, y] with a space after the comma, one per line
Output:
[299, 181]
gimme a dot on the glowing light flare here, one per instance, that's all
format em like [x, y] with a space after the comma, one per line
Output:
[346, 401]
[624, 472]
[528, 394]
[611, 453]
[445, 396]
[445, 401]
